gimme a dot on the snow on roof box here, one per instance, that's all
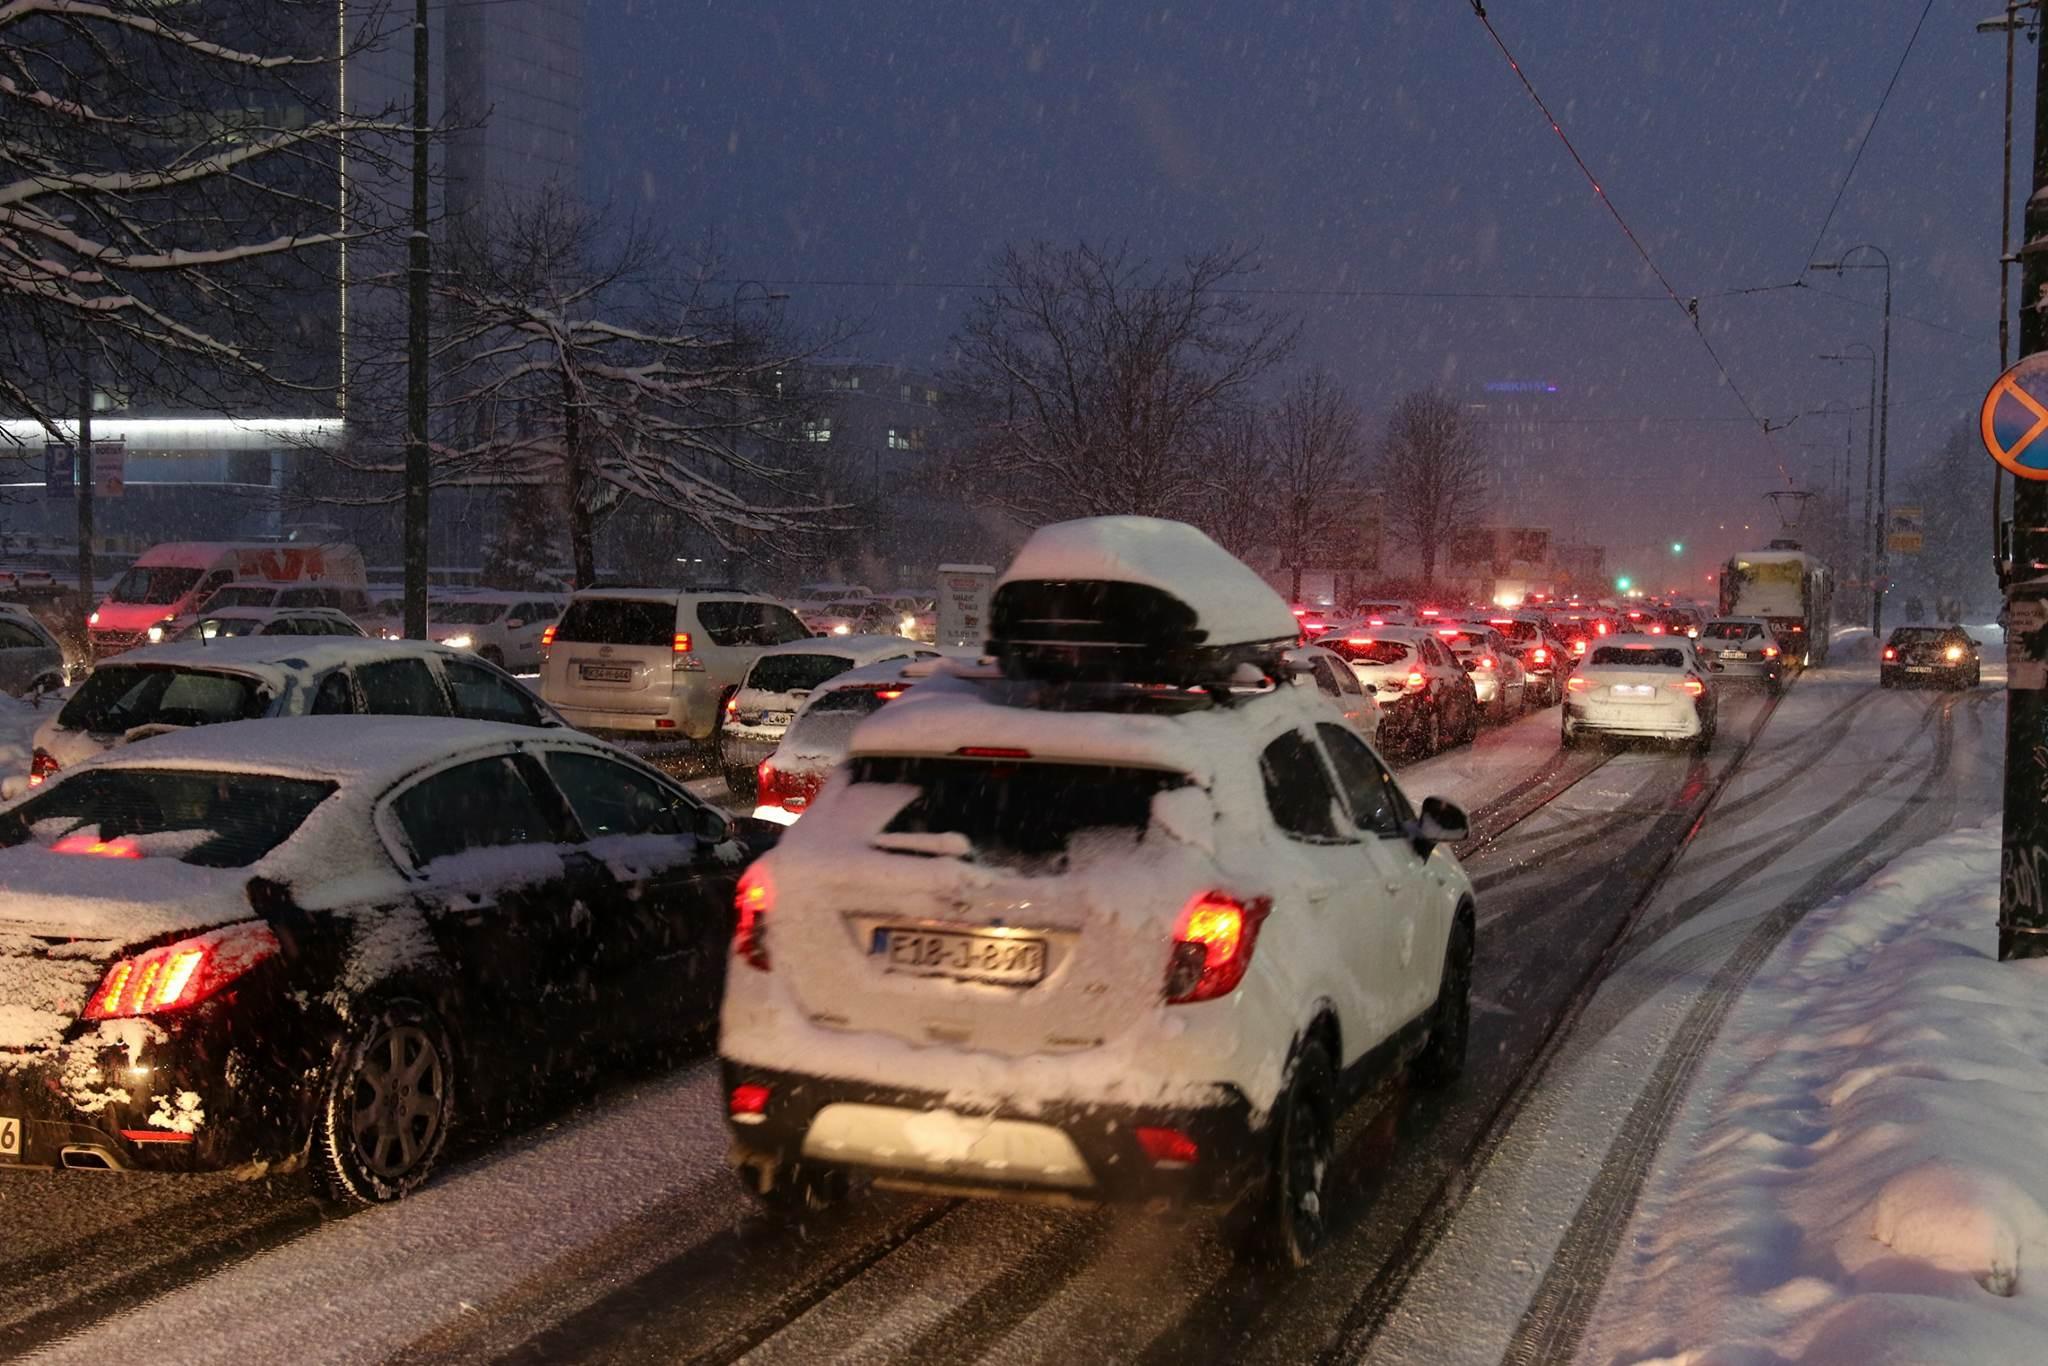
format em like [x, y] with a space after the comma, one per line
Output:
[1133, 598]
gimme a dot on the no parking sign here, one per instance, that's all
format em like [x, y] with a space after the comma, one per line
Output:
[2014, 419]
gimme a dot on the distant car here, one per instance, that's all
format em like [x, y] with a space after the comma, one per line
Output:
[31, 660]
[1426, 699]
[1332, 676]
[322, 939]
[206, 682]
[1498, 679]
[1641, 687]
[503, 628]
[1947, 655]
[1384, 612]
[788, 780]
[657, 661]
[776, 684]
[1544, 659]
[270, 621]
[1745, 648]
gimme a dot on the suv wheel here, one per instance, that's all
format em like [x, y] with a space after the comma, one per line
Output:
[492, 655]
[1442, 1059]
[791, 1192]
[1294, 1204]
[1429, 736]
[385, 1117]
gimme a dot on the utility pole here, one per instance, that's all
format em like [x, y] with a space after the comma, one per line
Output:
[1875, 528]
[417, 469]
[2023, 861]
[2010, 26]
[81, 480]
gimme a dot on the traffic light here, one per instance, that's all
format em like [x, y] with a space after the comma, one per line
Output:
[1678, 547]
[1624, 583]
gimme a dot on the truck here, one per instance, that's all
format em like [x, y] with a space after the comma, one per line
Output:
[1788, 588]
[176, 578]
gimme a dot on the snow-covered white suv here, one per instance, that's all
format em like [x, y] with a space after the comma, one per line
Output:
[1100, 922]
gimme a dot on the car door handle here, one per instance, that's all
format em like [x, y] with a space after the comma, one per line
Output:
[1392, 887]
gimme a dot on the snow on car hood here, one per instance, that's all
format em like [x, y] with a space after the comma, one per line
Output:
[1233, 604]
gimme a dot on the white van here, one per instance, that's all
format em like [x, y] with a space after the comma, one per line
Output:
[176, 578]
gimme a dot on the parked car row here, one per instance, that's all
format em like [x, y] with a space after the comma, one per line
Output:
[305, 903]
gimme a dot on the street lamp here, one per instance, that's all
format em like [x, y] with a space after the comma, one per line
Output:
[2010, 24]
[1884, 417]
[1869, 357]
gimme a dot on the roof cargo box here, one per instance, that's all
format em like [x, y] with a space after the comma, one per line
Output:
[1133, 599]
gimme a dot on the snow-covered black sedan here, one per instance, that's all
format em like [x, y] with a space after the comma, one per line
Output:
[1947, 655]
[321, 939]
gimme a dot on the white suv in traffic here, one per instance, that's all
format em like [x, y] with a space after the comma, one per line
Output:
[1102, 922]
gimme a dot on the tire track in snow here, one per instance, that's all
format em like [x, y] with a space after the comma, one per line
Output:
[1555, 1322]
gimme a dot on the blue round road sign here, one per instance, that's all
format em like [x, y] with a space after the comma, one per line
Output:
[2014, 419]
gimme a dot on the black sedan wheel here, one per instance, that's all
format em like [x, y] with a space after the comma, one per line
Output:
[388, 1106]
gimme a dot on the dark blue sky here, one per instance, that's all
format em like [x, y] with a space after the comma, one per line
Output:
[1383, 145]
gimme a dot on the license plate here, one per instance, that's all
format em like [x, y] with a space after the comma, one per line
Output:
[776, 718]
[1919, 668]
[606, 673]
[1733, 654]
[10, 1136]
[1634, 690]
[969, 957]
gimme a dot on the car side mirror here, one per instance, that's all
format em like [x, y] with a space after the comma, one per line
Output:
[1441, 822]
[516, 624]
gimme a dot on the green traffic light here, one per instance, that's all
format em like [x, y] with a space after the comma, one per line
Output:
[1678, 547]
[1624, 583]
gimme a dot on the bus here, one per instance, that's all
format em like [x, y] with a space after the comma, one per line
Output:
[1786, 587]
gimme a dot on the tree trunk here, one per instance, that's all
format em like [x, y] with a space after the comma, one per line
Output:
[1296, 595]
[1428, 562]
[582, 551]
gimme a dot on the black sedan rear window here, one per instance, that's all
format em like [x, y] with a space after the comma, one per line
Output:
[118, 698]
[1727, 630]
[216, 820]
[1924, 635]
[795, 673]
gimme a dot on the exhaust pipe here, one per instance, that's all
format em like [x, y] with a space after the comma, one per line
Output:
[88, 1157]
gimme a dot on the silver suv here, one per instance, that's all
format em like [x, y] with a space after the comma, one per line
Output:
[655, 660]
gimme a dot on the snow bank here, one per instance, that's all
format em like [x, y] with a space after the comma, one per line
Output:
[1862, 1181]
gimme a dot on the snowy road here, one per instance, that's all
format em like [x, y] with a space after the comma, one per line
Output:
[614, 1232]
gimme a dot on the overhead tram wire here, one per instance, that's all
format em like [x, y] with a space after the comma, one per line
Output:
[1813, 252]
[1691, 310]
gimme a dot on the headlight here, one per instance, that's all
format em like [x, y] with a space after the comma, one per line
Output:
[155, 633]
[907, 625]
[1952, 653]
[842, 629]
[458, 642]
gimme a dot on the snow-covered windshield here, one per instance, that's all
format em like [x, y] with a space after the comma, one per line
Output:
[1009, 811]
[231, 819]
[158, 585]
[469, 613]
[118, 698]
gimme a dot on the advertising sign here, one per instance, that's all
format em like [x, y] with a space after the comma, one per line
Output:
[109, 468]
[1905, 531]
[964, 591]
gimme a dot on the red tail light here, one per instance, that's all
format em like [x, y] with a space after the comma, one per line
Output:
[889, 694]
[1690, 686]
[1657, 630]
[1167, 1147]
[1416, 682]
[95, 847]
[181, 974]
[991, 752]
[1487, 662]
[1539, 655]
[1348, 640]
[1576, 684]
[1599, 628]
[754, 899]
[1771, 652]
[749, 1102]
[41, 767]
[547, 637]
[1578, 647]
[1213, 946]
[682, 642]
[732, 705]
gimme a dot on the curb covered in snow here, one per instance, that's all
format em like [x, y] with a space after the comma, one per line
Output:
[1863, 1178]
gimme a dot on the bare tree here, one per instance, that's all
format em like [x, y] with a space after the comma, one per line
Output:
[169, 176]
[1100, 376]
[1431, 472]
[1234, 504]
[569, 357]
[1316, 456]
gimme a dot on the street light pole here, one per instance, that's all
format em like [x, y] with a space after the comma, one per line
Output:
[2010, 25]
[2023, 844]
[1869, 357]
[1884, 418]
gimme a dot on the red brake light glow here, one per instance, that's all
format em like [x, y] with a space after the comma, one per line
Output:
[1488, 662]
[749, 1103]
[732, 705]
[682, 642]
[181, 974]
[991, 752]
[1539, 655]
[1213, 946]
[1576, 684]
[1449, 632]
[1599, 628]
[1690, 686]
[547, 637]
[96, 847]
[1167, 1147]
[41, 767]
[888, 694]
[1358, 640]
[1416, 680]
[1771, 652]
[753, 899]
